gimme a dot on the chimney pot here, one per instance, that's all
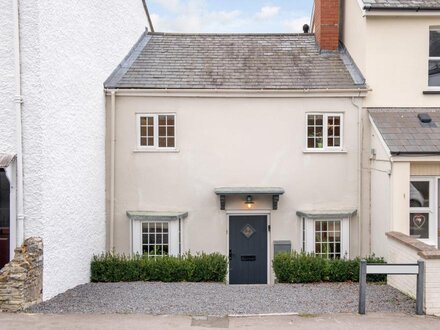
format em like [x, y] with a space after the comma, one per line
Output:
[306, 28]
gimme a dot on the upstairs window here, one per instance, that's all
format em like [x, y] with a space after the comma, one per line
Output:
[434, 57]
[324, 131]
[156, 131]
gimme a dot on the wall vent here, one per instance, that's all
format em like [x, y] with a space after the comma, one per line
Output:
[424, 118]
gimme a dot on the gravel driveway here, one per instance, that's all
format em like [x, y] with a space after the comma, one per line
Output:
[220, 299]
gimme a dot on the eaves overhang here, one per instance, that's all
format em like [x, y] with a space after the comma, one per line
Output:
[402, 11]
[360, 92]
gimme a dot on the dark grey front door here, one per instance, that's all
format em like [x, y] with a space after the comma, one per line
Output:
[248, 249]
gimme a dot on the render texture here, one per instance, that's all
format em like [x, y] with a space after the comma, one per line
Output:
[68, 50]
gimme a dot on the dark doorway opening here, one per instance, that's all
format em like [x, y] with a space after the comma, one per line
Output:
[4, 218]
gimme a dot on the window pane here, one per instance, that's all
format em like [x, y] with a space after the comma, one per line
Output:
[150, 121]
[143, 131]
[319, 143]
[162, 131]
[143, 120]
[162, 142]
[170, 143]
[170, 131]
[170, 120]
[434, 43]
[150, 131]
[327, 239]
[419, 194]
[318, 120]
[434, 73]
[143, 141]
[162, 120]
[419, 225]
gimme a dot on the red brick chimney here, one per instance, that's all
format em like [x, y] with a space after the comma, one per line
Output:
[326, 23]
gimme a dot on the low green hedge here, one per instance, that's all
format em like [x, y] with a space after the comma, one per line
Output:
[111, 267]
[305, 268]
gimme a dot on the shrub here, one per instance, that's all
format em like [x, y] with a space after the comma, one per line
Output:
[297, 267]
[111, 267]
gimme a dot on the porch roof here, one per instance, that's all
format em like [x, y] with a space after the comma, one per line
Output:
[249, 191]
[333, 214]
[401, 4]
[6, 160]
[404, 133]
[156, 215]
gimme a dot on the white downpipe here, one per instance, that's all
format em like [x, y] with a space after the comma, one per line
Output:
[360, 146]
[112, 170]
[18, 100]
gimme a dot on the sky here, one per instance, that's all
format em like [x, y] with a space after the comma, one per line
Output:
[230, 16]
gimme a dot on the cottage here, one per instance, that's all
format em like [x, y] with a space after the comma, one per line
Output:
[241, 144]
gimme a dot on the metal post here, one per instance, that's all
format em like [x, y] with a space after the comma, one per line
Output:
[362, 285]
[420, 288]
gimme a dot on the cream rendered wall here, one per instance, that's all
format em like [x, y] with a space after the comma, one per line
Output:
[380, 191]
[400, 179]
[397, 61]
[425, 169]
[232, 142]
[354, 33]
[68, 49]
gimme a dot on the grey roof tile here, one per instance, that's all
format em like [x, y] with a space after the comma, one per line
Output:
[402, 4]
[232, 61]
[403, 132]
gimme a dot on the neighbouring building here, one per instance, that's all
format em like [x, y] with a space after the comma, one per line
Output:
[58, 53]
[396, 45]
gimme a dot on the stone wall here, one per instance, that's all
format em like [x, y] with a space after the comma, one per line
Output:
[405, 249]
[21, 280]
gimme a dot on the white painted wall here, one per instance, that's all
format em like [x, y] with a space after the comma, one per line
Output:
[402, 253]
[69, 48]
[7, 118]
[233, 142]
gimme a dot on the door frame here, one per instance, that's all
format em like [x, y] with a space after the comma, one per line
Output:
[10, 172]
[265, 213]
[434, 190]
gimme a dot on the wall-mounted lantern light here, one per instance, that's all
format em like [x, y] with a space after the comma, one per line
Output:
[249, 202]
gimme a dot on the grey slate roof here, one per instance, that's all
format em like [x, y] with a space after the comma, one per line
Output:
[403, 132]
[232, 61]
[402, 4]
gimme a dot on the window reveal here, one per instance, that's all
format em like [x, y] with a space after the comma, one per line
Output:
[324, 131]
[434, 57]
[328, 239]
[155, 239]
[157, 131]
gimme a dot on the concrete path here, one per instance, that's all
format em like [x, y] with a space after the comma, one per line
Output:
[140, 321]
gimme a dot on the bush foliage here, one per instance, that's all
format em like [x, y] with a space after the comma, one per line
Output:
[111, 267]
[297, 267]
